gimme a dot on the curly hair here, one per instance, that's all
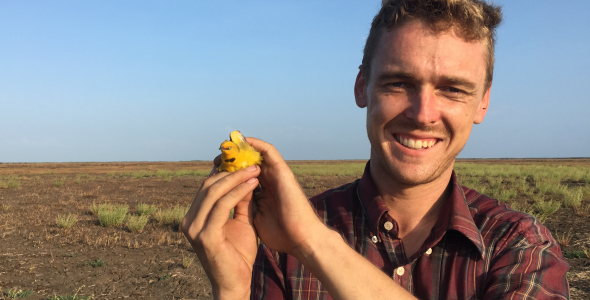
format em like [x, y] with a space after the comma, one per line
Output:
[472, 20]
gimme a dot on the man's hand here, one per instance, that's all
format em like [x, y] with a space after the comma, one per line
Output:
[286, 222]
[284, 219]
[226, 247]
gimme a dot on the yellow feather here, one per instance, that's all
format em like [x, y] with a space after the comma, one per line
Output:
[237, 154]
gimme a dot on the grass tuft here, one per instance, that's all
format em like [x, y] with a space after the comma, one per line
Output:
[74, 297]
[97, 263]
[564, 239]
[13, 294]
[145, 209]
[112, 216]
[136, 223]
[187, 261]
[547, 207]
[576, 254]
[66, 222]
[583, 210]
[171, 216]
[59, 183]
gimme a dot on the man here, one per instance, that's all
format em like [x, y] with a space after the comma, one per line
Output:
[407, 228]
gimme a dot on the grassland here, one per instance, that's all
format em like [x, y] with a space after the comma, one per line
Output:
[110, 230]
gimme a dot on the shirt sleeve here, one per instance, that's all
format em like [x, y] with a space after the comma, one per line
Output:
[527, 264]
[267, 277]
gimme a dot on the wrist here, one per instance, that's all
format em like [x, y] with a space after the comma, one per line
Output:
[322, 242]
[225, 295]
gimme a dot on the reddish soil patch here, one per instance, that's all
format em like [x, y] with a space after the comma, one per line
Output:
[37, 255]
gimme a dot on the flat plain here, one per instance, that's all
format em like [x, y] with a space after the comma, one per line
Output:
[40, 258]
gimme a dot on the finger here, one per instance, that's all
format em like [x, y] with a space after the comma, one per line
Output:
[219, 189]
[197, 200]
[270, 154]
[243, 210]
[218, 216]
[217, 160]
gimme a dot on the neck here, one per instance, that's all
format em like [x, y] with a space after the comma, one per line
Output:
[415, 207]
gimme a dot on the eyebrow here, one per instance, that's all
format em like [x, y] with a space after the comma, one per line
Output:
[460, 81]
[470, 85]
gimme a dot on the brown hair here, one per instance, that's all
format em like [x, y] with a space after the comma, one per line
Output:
[473, 20]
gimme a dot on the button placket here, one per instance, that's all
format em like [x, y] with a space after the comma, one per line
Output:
[374, 239]
[400, 271]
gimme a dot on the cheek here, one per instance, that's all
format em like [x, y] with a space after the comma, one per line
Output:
[380, 113]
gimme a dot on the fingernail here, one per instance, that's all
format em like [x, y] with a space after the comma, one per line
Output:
[251, 168]
[251, 180]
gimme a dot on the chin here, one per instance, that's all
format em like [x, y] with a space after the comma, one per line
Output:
[417, 174]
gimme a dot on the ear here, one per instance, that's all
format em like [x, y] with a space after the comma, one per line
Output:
[360, 89]
[483, 107]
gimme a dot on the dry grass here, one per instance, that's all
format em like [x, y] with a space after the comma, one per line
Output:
[187, 261]
[137, 223]
[171, 216]
[114, 216]
[145, 209]
[66, 222]
[583, 210]
[564, 239]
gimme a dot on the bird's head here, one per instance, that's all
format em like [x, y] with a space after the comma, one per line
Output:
[229, 148]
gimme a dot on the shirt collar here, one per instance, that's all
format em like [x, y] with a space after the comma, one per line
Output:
[455, 213]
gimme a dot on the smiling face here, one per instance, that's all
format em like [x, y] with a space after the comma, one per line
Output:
[424, 93]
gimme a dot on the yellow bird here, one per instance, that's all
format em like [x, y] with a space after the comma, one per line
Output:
[237, 154]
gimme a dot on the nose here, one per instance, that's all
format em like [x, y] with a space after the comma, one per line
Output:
[424, 108]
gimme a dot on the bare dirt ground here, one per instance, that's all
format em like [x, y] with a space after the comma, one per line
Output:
[37, 255]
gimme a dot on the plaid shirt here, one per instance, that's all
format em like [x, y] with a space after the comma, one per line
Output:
[478, 249]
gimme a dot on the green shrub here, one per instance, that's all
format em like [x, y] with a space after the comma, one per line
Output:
[164, 173]
[136, 223]
[575, 254]
[12, 184]
[573, 198]
[59, 183]
[94, 209]
[13, 294]
[547, 207]
[171, 216]
[114, 216]
[145, 209]
[66, 222]
[97, 263]
[142, 174]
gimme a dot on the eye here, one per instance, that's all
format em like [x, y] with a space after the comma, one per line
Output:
[453, 90]
[396, 84]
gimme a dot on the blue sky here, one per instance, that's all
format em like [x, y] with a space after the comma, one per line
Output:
[168, 80]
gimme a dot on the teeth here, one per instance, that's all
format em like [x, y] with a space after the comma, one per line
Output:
[416, 144]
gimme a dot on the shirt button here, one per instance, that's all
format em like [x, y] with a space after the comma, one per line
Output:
[400, 271]
[388, 226]
[429, 251]
[374, 239]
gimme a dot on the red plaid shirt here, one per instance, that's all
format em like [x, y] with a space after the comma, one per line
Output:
[478, 249]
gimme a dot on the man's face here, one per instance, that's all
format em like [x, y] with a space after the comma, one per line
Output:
[424, 93]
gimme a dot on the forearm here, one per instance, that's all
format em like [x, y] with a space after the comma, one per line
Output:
[345, 273]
